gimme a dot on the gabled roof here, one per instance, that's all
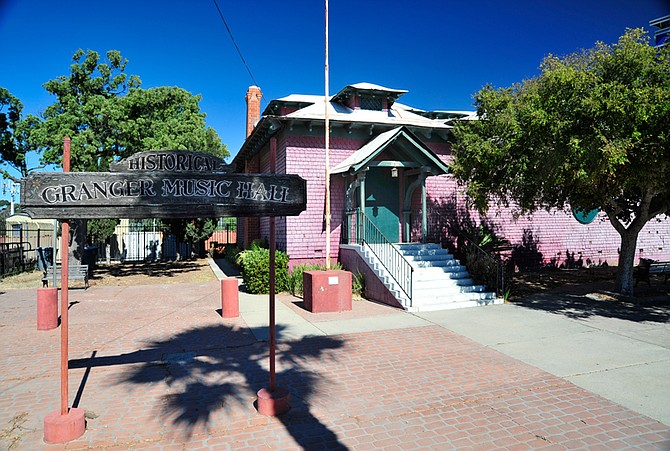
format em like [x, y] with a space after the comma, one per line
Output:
[417, 152]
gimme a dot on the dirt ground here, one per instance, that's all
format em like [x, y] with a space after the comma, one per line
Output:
[595, 283]
[126, 274]
[599, 282]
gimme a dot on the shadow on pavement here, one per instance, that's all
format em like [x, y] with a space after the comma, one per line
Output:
[585, 305]
[215, 368]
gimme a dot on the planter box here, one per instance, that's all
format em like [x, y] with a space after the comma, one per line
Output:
[327, 291]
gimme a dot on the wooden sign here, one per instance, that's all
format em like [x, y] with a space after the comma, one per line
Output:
[176, 161]
[139, 193]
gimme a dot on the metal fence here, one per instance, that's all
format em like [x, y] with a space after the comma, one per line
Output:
[153, 242]
[23, 247]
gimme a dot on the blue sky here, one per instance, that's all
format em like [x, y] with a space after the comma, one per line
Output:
[440, 51]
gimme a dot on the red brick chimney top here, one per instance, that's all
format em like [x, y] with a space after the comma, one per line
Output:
[253, 98]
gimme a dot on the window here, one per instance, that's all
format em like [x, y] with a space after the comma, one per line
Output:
[371, 103]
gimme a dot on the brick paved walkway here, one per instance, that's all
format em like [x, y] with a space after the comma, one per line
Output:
[156, 367]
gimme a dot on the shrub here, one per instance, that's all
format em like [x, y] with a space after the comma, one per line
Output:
[358, 284]
[255, 263]
[231, 252]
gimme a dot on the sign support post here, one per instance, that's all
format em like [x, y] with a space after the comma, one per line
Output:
[273, 401]
[66, 424]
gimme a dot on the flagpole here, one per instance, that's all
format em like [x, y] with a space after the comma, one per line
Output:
[327, 136]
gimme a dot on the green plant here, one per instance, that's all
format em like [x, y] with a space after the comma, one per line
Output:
[255, 263]
[231, 252]
[294, 282]
[506, 295]
[358, 284]
[100, 230]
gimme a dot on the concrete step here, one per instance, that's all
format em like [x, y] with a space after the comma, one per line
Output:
[437, 292]
[417, 246]
[429, 251]
[438, 276]
[454, 304]
[459, 285]
[439, 280]
[441, 265]
[453, 297]
[431, 258]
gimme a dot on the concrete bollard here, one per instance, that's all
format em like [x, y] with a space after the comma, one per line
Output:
[59, 428]
[273, 403]
[230, 302]
[47, 308]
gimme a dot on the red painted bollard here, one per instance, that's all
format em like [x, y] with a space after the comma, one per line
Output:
[47, 308]
[59, 428]
[273, 403]
[230, 302]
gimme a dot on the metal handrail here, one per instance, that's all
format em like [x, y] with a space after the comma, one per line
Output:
[499, 268]
[365, 232]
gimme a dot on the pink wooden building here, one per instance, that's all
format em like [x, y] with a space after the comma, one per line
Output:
[389, 167]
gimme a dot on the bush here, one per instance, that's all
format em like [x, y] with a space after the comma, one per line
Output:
[231, 252]
[255, 263]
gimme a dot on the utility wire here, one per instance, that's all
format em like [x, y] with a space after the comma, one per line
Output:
[232, 38]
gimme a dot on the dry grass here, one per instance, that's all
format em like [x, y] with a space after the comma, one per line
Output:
[126, 274]
[22, 281]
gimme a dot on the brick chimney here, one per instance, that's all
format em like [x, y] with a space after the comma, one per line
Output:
[253, 107]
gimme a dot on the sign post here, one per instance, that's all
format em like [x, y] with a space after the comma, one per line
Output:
[67, 424]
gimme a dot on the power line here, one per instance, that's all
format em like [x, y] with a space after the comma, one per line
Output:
[232, 38]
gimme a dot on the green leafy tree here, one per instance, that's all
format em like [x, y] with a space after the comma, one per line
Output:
[591, 131]
[107, 115]
[10, 115]
[86, 110]
[166, 118]
[194, 231]
[100, 230]
[14, 131]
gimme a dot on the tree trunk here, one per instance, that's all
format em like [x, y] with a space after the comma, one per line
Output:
[77, 241]
[624, 277]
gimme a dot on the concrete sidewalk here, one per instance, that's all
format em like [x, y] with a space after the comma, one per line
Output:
[156, 367]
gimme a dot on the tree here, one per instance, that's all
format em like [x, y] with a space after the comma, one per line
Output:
[100, 230]
[107, 115]
[591, 131]
[194, 231]
[14, 143]
[10, 115]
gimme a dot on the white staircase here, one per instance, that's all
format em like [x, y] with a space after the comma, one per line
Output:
[439, 282]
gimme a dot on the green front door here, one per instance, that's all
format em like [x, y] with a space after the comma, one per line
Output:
[382, 202]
